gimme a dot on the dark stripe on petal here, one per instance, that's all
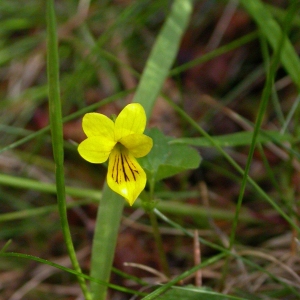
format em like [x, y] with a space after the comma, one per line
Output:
[131, 167]
[123, 167]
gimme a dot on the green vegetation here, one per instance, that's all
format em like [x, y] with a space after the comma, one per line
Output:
[219, 82]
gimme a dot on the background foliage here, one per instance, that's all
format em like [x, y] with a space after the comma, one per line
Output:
[231, 93]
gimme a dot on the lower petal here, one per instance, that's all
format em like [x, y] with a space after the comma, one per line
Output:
[125, 176]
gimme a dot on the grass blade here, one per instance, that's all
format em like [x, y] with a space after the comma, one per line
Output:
[273, 33]
[57, 136]
[163, 54]
[105, 239]
[66, 269]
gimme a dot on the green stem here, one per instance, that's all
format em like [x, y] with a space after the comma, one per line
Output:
[155, 228]
[57, 137]
[105, 239]
[159, 244]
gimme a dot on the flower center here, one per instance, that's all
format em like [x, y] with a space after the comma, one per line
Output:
[124, 169]
[120, 148]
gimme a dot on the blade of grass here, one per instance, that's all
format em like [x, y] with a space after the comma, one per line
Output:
[57, 137]
[71, 271]
[68, 118]
[93, 196]
[223, 251]
[30, 184]
[235, 139]
[105, 238]
[267, 91]
[279, 13]
[215, 53]
[256, 187]
[272, 32]
[45, 210]
[196, 293]
[163, 54]
[97, 54]
[185, 274]
[290, 115]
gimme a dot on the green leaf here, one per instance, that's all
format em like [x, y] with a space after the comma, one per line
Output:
[105, 239]
[166, 159]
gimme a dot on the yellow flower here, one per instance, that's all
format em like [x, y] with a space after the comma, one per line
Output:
[120, 142]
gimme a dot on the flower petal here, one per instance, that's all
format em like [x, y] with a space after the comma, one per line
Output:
[125, 176]
[96, 149]
[95, 124]
[132, 119]
[138, 145]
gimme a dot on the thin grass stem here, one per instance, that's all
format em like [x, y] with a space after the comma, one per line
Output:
[57, 138]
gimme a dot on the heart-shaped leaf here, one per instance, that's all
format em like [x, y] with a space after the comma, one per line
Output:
[167, 159]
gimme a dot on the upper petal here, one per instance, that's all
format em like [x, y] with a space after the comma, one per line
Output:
[138, 145]
[132, 119]
[95, 124]
[125, 176]
[95, 149]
